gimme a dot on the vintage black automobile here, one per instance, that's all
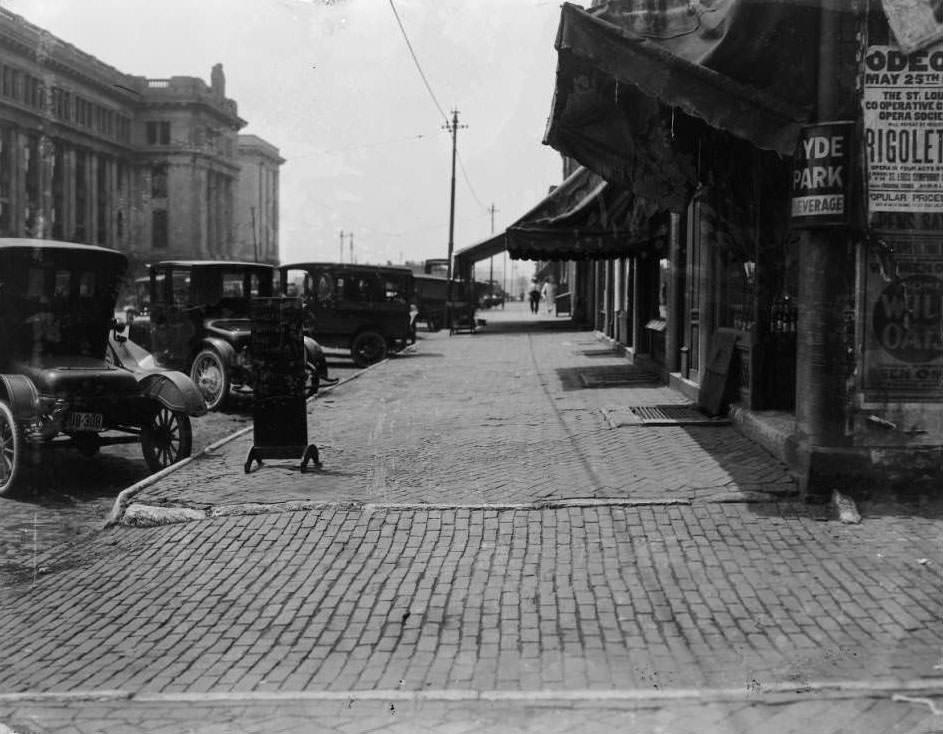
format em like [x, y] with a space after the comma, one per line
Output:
[68, 376]
[200, 322]
[368, 309]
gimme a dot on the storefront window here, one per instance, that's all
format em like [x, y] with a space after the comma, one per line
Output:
[664, 274]
[740, 294]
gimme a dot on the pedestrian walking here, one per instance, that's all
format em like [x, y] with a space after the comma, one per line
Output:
[534, 296]
[549, 295]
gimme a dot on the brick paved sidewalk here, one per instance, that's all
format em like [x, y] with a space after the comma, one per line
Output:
[708, 595]
[498, 417]
[484, 525]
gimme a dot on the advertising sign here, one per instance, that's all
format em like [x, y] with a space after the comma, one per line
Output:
[903, 356]
[821, 175]
[903, 129]
[279, 414]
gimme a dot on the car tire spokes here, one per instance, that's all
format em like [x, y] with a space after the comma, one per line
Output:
[10, 448]
[167, 438]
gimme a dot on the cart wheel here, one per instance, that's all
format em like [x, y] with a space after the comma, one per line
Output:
[312, 379]
[11, 447]
[368, 347]
[211, 378]
[167, 438]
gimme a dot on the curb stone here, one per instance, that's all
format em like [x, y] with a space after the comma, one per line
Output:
[123, 500]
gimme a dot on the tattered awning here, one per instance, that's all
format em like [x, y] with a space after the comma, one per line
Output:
[744, 66]
[584, 218]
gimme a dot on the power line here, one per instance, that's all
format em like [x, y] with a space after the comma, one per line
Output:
[467, 181]
[416, 61]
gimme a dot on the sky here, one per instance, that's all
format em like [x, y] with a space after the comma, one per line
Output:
[332, 84]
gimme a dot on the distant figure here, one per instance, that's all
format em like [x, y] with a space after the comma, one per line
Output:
[534, 296]
[549, 295]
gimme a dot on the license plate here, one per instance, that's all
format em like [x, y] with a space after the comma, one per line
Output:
[84, 422]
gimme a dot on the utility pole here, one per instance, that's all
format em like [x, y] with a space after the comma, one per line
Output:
[351, 236]
[453, 129]
[824, 269]
[341, 256]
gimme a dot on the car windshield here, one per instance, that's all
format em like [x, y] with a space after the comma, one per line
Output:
[220, 291]
[56, 308]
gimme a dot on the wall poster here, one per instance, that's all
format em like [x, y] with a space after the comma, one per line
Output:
[903, 146]
[903, 123]
[903, 356]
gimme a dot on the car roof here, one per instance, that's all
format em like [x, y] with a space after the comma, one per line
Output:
[14, 243]
[398, 269]
[430, 276]
[214, 263]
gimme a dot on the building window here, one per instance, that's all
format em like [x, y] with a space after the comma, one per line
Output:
[102, 200]
[58, 193]
[159, 181]
[6, 172]
[158, 132]
[123, 127]
[81, 196]
[159, 231]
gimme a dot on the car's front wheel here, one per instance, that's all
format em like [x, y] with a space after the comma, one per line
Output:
[167, 438]
[11, 447]
[211, 377]
[367, 348]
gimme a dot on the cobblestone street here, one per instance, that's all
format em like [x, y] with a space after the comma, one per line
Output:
[485, 549]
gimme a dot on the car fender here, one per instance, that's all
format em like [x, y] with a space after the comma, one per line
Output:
[173, 390]
[20, 394]
[221, 346]
[313, 351]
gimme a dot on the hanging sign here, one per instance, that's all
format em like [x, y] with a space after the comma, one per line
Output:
[821, 175]
[903, 137]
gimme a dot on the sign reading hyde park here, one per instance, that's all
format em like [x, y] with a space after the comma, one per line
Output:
[821, 174]
[903, 123]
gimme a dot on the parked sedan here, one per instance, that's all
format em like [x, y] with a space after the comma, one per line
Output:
[200, 323]
[67, 375]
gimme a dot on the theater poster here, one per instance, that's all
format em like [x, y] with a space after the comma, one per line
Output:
[903, 358]
[903, 146]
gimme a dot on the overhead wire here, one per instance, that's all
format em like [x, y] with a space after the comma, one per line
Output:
[422, 74]
[416, 61]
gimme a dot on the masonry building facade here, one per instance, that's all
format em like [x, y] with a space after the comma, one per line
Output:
[150, 167]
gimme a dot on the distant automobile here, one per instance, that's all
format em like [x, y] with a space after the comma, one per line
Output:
[200, 323]
[431, 295]
[367, 309]
[68, 376]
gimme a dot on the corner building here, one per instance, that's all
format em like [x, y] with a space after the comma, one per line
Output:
[150, 167]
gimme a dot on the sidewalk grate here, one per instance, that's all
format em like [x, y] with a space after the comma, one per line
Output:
[596, 353]
[684, 414]
[622, 377]
[674, 415]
